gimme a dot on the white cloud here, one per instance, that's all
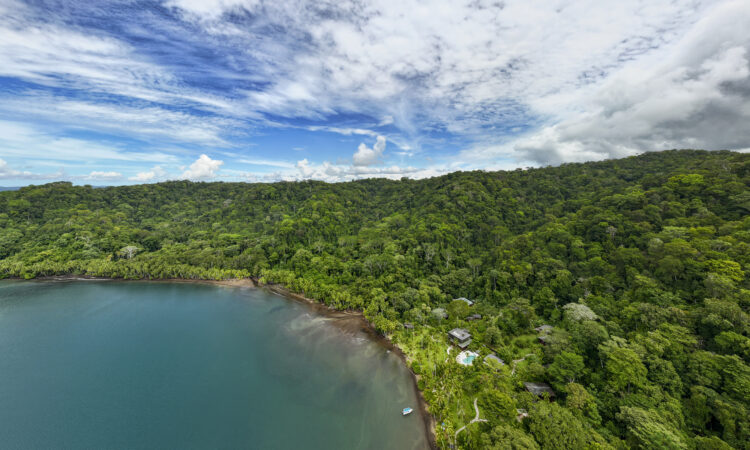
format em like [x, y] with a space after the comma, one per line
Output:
[131, 120]
[37, 49]
[104, 176]
[366, 156]
[204, 168]
[694, 94]
[211, 9]
[330, 172]
[267, 162]
[30, 143]
[344, 131]
[49, 54]
[471, 68]
[468, 62]
[7, 172]
[304, 168]
[579, 84]
[156, 173]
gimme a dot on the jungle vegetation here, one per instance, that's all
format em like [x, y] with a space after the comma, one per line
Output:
[639, 265]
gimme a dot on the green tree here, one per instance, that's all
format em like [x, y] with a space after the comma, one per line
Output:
[498, 407]
[566, 368]
[645, 429]
[625, 369]
[555, 427]
[506, 437]
[582, 403]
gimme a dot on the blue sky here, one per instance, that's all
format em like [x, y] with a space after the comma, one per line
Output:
[121, 92]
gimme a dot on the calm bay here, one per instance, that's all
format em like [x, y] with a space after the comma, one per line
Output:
[113, 364]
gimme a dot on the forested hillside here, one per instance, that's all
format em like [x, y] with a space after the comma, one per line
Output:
[639, 265]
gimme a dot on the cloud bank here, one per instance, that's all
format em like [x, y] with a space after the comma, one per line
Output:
[450, 85]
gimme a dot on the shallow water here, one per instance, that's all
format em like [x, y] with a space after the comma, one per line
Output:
[106, 364]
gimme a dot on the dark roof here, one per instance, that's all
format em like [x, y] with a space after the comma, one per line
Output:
[459, 333]
[545, 339]
[474, 317]
[539, 388]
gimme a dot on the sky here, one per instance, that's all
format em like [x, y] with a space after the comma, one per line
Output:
[126, 92]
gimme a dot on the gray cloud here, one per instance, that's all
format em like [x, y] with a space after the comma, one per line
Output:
[695, 96]
[691, 93]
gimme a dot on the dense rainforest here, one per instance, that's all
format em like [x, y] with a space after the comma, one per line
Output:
[638, 266]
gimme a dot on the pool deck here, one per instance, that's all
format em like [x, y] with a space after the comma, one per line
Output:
[461, 358]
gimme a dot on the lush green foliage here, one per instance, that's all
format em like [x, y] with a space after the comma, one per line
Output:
[638, 264]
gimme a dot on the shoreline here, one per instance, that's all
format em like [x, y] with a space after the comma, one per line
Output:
[366, 327]
[356, 318]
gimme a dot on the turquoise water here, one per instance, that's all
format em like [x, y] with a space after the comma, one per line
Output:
[170, 365]
[469, 359]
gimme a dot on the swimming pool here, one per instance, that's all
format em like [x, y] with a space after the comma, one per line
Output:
[466, 357]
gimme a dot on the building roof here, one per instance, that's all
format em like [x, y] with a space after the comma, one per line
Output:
[494, 357]
[539, 388]
[440, 313]
[544, 328]
[408, 326]
[474, 317]
[464, 299]
[545, 339]
[459, 333]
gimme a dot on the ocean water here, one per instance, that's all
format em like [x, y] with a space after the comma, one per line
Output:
[108, 364]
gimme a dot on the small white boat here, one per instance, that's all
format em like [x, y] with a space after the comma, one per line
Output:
[406, 411]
